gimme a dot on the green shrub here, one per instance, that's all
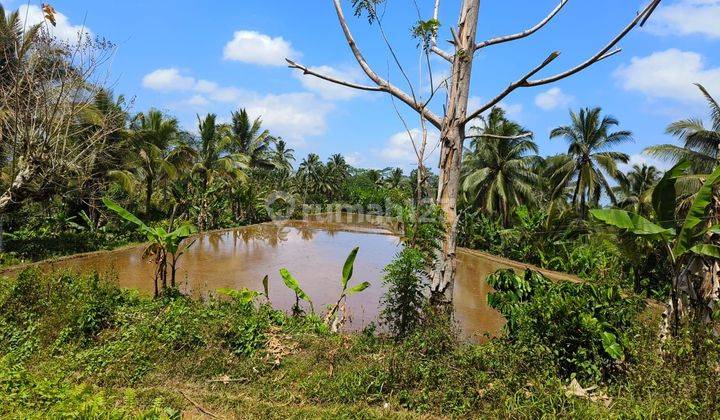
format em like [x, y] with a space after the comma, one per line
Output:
[588, 329]
[405, 283]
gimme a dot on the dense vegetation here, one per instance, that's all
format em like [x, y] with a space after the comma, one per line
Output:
[79, 346]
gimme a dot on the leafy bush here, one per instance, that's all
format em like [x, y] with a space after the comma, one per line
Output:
[403, 301]
[588, 329]
[570, 249]
[249, 335]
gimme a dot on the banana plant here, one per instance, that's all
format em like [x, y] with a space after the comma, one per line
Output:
[245, 296]
[347, 272]
[294, 285]
[689, 244]
[164, 248]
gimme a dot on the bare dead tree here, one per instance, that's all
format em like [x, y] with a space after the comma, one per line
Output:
[452, 125]
[50, 129]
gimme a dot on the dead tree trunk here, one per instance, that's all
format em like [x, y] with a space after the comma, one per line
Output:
[21, 187]
[452, 136]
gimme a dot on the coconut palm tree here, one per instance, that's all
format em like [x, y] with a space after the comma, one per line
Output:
[158, 151]
[589, 157]
[395, 178]
[498, 166]
[16, 42]
[250, 139]
[338, 167]
[283, 156]
[701, 145]
[375, 176]
[213, 159]
[313, 178]
[635, 190]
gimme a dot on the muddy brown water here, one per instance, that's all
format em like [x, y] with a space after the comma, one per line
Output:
[314, 252]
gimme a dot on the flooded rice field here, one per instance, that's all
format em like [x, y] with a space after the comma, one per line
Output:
[314, 252]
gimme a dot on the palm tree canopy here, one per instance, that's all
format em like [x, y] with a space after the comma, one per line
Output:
[701, 145]
[250, 139]
[635, 190]
[283, 156]
[498, 165]
[590, 156]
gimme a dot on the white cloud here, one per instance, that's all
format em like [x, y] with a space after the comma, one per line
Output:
[329, 90]
[293, 116]
[206, 86]
[669, 74]
[226, 94]
[198, 100]
[440, 80]
[399, 148]
[687, 17]
[552, 98]
[166, 80]
[513, 111]
[63, 29]
[354, 159]
[643, 159]
[171, 79]
[256, 48]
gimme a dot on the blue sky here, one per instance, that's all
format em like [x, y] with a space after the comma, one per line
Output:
[187, 57]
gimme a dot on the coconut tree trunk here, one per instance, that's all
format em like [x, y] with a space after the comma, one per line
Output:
[452, 136]
[695, 296]
[148, 193]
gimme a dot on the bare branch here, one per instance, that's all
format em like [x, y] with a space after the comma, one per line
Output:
[442, 53]
[520, 82]
[495, 136]
[383, 84]
[433, 42]
[605, 51]
[293, 65]
[525, 33]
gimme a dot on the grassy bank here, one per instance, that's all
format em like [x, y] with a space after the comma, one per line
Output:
[79, 346]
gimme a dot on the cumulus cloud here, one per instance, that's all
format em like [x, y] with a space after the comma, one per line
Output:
[63, 30]
[256, 48]
[293, 116]
[687, 17]
[513, 111]
[329, 90]
[399, 148]
[172, 80]
[198, 100]
[552, 98]
[166, 80]
[669, 74]
[354, 159]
